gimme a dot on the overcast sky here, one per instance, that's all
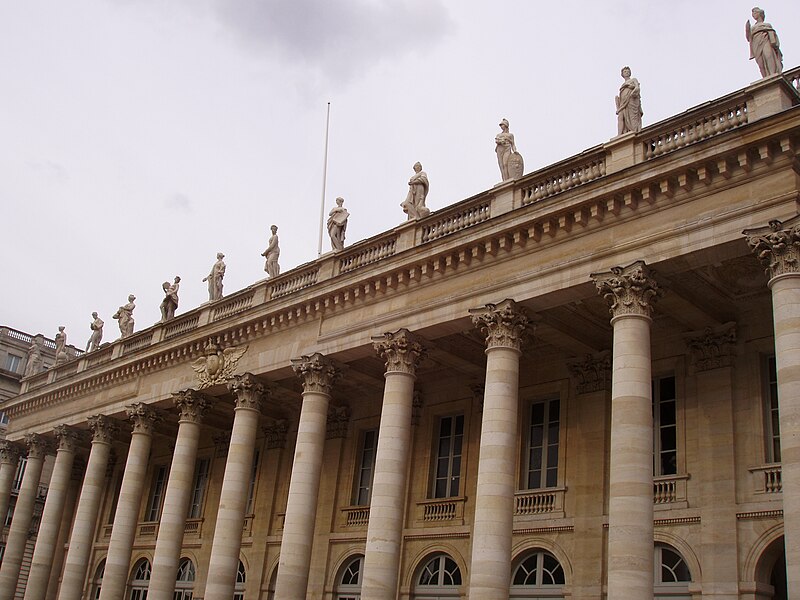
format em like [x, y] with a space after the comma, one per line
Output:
[138, 138]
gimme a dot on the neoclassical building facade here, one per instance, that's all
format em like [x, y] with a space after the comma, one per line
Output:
[583, 383]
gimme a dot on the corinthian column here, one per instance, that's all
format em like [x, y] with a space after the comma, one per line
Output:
[402, 352]
[778, 248]
[23, 514]
[630, 292]
[318, 375]
[192, 406]
[47, 537]
[104, 430]
[9, 459]
[224, 561]
[120, 546]
[490, 573]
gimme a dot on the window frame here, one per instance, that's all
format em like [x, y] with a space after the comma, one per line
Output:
[771, 413]
[547, 445]
[538, 589]
[14, 363]
[362, 494]
[453, 457]
[158, 488]
[659, 428]
[199, 487]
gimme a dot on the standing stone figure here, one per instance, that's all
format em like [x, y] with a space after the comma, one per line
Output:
[97, 333]
[124, 315]
[765, 47]
[34, 358]
[337, 224]
[629, 104]
[272, 253]
[61, 346]
[508, 159]
[414, 204]
[214, 278]
[170, 302]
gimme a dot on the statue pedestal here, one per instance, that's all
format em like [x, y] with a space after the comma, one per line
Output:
[622, 152]
[769, 96]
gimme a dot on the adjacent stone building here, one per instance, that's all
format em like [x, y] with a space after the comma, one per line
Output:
[564, 387]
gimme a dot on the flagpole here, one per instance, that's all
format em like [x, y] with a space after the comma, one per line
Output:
[324, 181]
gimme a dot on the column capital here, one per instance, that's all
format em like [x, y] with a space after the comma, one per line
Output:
[249, 391]
[629, 290]
[192, 405]
[68, 437]
[317, 372]
[401, 350]
[777, 246]
[143, 416]
[9, 452]
[712, 348]
[592, 373]
[504, 324]
[104, 429]
[37, 445]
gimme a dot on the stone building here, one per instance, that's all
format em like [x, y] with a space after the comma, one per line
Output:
[577, 397]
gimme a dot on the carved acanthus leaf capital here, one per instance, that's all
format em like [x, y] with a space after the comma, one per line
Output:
[143, 416]
[592, 373]
[9, 452]
[249, 391]
[104, 429]
[777, 246]
[338, 419]
[38, 447]
[192, 405]
[713, 348]
[505, 324]
[68, 437]
[317, 372]
[275, 434]
[629, 290]
[401, 350]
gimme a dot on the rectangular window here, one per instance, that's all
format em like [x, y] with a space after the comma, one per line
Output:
[665, 426]
[157, 493]
[19, 474]
[251, 492]
[3, 418]
[13, 363]
[773, 424]
[447, 472]
[199, 489]
[366, 468]
[543, 437]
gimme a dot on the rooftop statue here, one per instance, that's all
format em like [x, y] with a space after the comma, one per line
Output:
[272, 253]
[34, 363]
[61, 346]
[765, 47]
[337, 224]
[124, 316]
[170, 302]
[629, 104]
[214, 278]
[97, 333]
[509, 160]
[414, 204]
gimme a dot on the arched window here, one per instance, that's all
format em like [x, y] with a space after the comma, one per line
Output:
[97, 581]
[537, 574]
[184, 582]
[348, 584]
[439, 578]
[672, 576]
[140, 581]
[241, 579]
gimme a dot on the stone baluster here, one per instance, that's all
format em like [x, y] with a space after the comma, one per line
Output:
[126, 518]
[45, 548]
[402, 352]
[490, 573]
[318, 375]
[778, 247]
[104, 431]
[630, 292]
[227, 542]
[23, 515]
[9, 460]
[192, 406]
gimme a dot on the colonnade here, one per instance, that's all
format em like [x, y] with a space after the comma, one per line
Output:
[630, 292]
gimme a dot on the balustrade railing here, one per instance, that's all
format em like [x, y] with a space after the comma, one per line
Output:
[301, 280]
[233, 307]
[453, 221]
[539, 501]
[564, 176]
[179, 326]
[356, 516]
[365, 256]
[767, 478]
[441, 509]
[668, 489]
[100, 356]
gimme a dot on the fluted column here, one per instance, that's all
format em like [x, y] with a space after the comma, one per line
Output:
[490, 573]
[778, 247]
[23, 515]
[43, 553]
[192, 406]
[402, 352]
[227, 543]
[126, 517]
[9, 460]
[318, 375]
[76, 563]
[630, 292]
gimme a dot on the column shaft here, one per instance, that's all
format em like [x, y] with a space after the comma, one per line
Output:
[9, 459]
